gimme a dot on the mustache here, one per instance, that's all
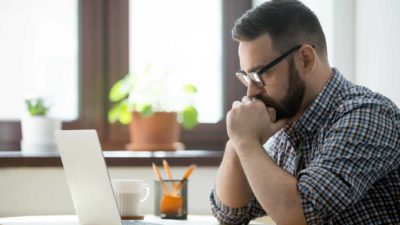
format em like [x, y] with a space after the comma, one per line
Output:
[281, 112]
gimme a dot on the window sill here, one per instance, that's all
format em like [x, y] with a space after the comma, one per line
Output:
[117, 158]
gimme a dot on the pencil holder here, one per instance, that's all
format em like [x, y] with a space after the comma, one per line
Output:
[171, 205]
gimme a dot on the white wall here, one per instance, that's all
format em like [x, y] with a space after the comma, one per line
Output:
[42, 191]
[378, 46]
[343, 37]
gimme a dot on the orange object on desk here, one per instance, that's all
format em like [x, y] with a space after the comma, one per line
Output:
[171, 204]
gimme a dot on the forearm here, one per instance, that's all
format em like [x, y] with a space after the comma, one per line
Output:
[274, 188]
[232, 186]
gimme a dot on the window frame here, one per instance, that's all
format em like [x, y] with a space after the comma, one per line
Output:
[104, 58]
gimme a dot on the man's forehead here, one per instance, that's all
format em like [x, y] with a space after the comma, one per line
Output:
[255, 53]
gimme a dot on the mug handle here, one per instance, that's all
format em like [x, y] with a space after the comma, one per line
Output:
[147, 190]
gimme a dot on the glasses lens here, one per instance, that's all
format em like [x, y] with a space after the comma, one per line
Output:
[243, 78]
[257, 81]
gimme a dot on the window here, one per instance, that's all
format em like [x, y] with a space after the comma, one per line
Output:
[60, 42]
[184, 41]
[39, 55]
[206, 135]
[103, 47]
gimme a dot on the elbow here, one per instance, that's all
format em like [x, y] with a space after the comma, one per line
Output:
[289, 209]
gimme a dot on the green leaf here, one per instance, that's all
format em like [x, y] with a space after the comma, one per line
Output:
[125, 117]
[120, 112]
[189, 89]
[37, 106]
[189, 117]
[121, 89]
[113, 114]
[145, 110]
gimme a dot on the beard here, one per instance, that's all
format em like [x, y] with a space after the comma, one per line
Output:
[290, 105]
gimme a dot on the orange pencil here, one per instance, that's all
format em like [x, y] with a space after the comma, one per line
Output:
[168, 172]
[186, 175]
[158, 175]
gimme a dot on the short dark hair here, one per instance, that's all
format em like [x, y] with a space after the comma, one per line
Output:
[288, 22]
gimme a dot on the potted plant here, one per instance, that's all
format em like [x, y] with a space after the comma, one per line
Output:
[153, 103]
[38, 128]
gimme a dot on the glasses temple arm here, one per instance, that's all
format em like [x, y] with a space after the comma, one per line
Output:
[277, 60]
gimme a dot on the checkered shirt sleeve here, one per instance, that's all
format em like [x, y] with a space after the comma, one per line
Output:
[235, 216]
[359, 150]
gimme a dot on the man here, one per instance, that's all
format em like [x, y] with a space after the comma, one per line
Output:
[333, 150]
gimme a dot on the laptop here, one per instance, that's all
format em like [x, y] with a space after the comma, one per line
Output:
[88, 178]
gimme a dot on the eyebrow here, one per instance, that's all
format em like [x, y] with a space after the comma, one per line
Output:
[252, 70]
[256, 68]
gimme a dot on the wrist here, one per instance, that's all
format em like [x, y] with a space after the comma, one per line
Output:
[245, 144]
[230, 153]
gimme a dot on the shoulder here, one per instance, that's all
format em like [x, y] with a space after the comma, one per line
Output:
[359, 115]
[356, 103]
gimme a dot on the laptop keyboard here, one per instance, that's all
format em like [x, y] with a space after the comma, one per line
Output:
[135, 222]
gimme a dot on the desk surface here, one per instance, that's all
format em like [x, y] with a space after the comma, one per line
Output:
[73, 220]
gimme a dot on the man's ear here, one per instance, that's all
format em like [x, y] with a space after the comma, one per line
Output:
[305, 59]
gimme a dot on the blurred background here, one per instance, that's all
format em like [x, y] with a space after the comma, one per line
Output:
[72, 51]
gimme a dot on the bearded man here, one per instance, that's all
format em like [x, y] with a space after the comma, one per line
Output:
[332, 151]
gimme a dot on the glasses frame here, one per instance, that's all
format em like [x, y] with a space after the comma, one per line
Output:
[255, 76]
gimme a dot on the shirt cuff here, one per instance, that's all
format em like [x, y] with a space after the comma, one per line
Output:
[235, 216]
[309, 196]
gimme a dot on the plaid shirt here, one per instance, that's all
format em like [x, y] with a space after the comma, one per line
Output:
[350, 141]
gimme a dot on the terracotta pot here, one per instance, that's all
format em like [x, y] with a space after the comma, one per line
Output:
[159, 132]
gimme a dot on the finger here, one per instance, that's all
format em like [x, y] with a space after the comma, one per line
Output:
[236, 104]
[246, 100]
[272, 114]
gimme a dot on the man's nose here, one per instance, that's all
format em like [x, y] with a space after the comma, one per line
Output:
[253, 90]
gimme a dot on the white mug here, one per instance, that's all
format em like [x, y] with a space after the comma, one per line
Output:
[129, 194]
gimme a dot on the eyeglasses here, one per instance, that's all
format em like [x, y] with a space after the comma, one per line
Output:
[255, 76]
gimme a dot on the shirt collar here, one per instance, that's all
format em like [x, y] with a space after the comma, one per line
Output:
[318, 112]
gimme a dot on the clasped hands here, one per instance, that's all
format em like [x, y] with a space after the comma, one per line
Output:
[250, 120]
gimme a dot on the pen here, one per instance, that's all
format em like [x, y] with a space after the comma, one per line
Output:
[168, 172]
[158, 175]
[186, 175]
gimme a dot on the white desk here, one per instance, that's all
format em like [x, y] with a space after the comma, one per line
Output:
[73, 220]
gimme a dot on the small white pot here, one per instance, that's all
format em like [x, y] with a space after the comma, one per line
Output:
[38, 134]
